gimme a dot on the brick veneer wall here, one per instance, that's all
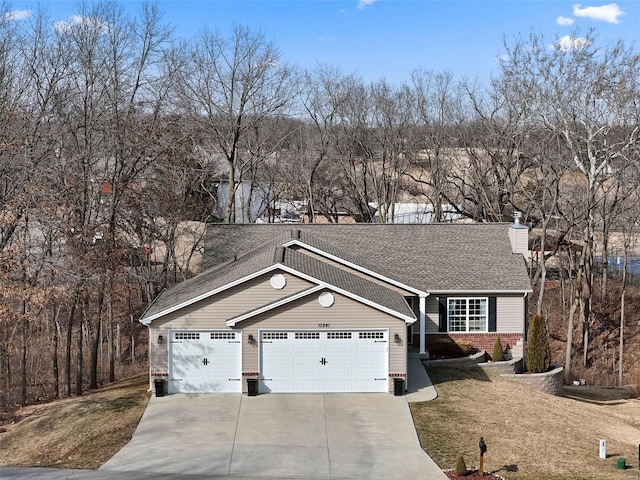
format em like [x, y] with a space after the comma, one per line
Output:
[482, 341]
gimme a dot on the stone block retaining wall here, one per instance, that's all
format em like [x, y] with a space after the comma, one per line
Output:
[549, 382]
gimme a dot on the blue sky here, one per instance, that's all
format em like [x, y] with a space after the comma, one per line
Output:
[390, 38]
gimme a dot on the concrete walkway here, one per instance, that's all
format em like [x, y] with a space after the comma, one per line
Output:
[419, 386]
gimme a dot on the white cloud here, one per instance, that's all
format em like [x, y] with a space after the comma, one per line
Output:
[364, 3]
[17, 14]
[568, 43]
[91, 23]
[605, 13]
[565, 21]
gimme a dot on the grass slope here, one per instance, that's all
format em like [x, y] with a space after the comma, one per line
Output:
[79, 432]
[530, 435]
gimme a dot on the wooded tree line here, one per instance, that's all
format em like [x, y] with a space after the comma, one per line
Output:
[113, 133]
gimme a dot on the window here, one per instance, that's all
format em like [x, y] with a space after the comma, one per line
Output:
[468, 314]
[371, 335]
[307, 335]
[187, 336]
[274, 335]
[223, 336]
[338, 335]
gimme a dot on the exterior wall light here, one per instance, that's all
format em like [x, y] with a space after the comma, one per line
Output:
[252, 339]
[396, 338]
[160, 339]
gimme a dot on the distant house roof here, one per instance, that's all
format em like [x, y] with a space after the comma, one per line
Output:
[417, 212]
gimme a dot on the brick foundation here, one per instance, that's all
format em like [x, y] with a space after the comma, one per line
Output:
[481, 341]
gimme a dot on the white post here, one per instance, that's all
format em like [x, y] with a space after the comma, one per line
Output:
[603, 448]
[423, 314]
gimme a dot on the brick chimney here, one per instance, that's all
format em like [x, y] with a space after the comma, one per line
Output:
[519, 235]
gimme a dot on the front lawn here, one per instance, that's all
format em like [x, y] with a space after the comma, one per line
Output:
[530, 435]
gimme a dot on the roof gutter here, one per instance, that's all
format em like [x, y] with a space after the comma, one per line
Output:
[142, 319]
[477, 292]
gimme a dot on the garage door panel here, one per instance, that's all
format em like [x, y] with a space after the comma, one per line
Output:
[370, 360]
[205, 362]
[308, 372]
[307, 349]
[307, 386]
[339, 349]
[327, 361]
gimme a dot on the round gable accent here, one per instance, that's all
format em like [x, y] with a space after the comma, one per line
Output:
[278, 281]
[326, 299]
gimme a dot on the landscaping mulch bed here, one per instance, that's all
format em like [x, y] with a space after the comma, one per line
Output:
[471, 475]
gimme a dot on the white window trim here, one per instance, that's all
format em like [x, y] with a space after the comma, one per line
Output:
[466, 330]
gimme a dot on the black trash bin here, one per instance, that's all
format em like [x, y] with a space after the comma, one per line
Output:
[398, 386]
[160, 385]
[252, 387]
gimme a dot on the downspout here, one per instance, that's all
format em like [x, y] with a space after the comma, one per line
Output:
[524, 329]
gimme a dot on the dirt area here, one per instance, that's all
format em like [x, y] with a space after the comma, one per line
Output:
[78, 432]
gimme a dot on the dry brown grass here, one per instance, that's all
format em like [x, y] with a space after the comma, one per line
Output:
[79, 432]
[530, 435]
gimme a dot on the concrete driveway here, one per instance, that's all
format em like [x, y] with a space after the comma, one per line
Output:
[319, 436]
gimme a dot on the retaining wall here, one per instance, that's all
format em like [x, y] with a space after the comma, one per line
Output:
[549, 382]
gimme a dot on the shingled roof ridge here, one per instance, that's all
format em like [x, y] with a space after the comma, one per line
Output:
[329, 248]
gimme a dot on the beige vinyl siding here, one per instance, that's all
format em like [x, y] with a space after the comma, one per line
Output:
[510, 314]
[306, 314]
[212, 313]
[432, 317]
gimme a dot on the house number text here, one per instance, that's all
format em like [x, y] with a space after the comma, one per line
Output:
[324, 325]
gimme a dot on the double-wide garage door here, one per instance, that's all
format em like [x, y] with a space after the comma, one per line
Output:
[205, 362]
[324, 361]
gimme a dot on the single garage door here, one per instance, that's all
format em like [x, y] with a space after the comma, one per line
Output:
[324, 361]
[205, 362]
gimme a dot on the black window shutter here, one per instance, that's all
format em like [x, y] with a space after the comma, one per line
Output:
[442, 325]
[493, 323]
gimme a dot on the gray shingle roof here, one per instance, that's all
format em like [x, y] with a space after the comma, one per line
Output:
[430, 257]
[349, 282]
[343, 280]
[433, 257]
[214, 278]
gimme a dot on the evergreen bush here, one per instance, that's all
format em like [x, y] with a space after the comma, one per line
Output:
[461, 467]
[498, 352]
[538, 349]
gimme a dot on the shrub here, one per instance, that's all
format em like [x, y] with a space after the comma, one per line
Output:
[466, 347]
[498, 352]
[446, 347]
[538, 349]
[461, 467]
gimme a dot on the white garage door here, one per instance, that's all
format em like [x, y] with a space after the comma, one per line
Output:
[327, 361]
[205, 362]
